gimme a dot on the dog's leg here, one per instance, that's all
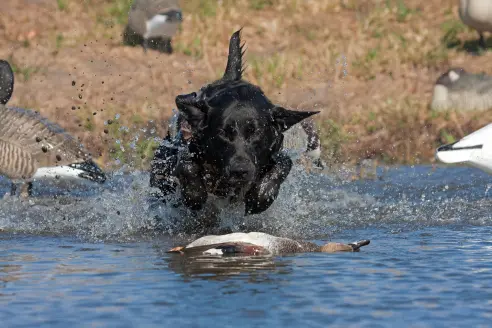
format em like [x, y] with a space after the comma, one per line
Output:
[161, 168]
[261, 195]
[204, 222]
[193, 190]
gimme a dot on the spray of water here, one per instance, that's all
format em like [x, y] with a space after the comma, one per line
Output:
[310, 205]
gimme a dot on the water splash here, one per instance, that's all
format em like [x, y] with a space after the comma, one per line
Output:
[309, 206]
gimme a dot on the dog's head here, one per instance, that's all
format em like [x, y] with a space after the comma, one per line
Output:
[236, 128]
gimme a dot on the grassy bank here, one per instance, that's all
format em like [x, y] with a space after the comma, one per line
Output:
[369, 66]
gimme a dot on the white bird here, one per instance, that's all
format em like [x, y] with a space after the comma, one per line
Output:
[31, 147]
[477, 14]
[460, 90]
[473, 150]
[153, 23]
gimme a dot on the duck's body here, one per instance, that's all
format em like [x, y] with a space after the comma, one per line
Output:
[259, 243]
[154, 21]
[474, 150]
[477, 14]
[457, 89]
[31, 147]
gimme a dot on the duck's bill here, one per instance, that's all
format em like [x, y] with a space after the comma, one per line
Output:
[90, 171]
[178, 249]
[341, 247]
[358, 244]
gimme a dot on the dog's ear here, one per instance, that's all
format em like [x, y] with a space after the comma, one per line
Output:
[286, 118]
[234, 69]
[191, 109]
[6, 82]
[193, 116]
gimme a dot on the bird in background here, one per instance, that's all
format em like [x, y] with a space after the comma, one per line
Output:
[477, 14]
[152, 24]
[457, 89]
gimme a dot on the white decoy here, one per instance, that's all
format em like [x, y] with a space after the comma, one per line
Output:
[460, 90]
[153, 23]
[259, 243]
[31, 147]
[477, 14]
[473, 150]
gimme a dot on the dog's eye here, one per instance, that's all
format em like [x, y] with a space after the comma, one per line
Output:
[249, 131]
[228, 133]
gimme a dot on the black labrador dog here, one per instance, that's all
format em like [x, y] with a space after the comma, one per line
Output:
[235, 146]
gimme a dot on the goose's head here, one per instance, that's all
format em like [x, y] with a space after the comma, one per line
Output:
[6, 82]
[451, 76]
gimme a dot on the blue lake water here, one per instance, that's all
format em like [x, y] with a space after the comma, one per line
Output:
[97, 258]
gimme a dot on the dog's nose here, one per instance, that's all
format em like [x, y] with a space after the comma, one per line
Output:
[239, 173]
[241, 168]
[186, 99]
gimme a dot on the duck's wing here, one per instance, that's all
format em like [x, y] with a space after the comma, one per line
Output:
[45, 142]
[230, 248]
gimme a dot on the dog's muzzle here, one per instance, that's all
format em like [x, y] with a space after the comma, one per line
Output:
[189, 99]
[240, 169]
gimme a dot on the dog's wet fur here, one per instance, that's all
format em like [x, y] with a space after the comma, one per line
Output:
[235, 150]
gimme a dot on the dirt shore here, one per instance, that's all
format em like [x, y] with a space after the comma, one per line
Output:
[369, 66]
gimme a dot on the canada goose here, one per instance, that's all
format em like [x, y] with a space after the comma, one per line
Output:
[152, 24]
[474, 150]
[477, 14]
[31, 147]
[458, 89]
[259, 243]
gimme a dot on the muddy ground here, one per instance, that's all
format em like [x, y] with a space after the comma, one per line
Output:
[369, 66]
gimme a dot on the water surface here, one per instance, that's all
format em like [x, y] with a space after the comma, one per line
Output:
[98, 257]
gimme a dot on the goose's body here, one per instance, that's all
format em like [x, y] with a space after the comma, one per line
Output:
[477, 14]
[154, 19]
[457, 89]
[32, 147]
[474, 150]
[259, 243]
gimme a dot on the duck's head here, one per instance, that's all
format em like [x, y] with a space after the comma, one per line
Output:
[339, 247]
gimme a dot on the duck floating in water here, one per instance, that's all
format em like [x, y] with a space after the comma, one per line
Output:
[259, 243]
[474, 150]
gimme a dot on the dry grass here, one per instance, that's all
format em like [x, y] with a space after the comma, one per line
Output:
[368, 65]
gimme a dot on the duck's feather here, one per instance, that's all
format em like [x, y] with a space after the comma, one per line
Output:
[229, 248]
